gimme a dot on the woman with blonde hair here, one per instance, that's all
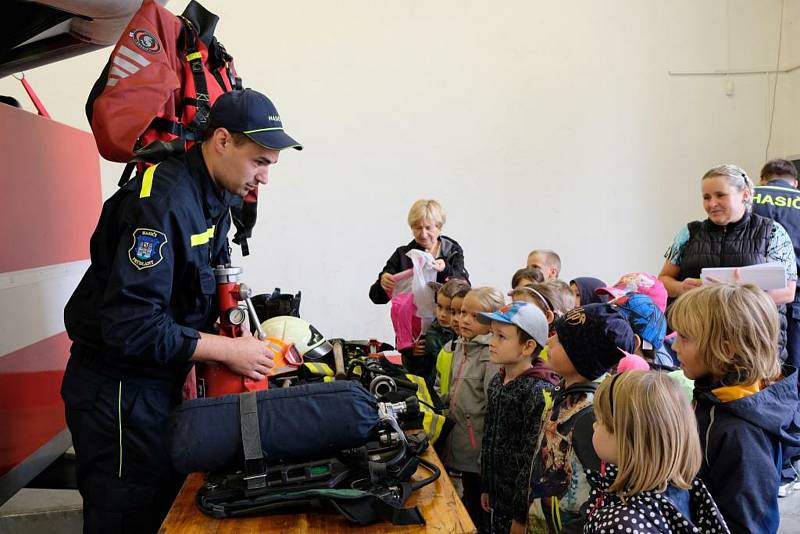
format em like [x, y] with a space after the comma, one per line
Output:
[746, 404]
[426, 219]
[731, 236]
[647, 439]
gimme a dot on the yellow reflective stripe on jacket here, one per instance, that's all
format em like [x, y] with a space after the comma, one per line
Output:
[119, 421]
[548, 402]
[203, 237]
[195, 55]
[444, 363]
[436, 426]
[556, 514]
[320, 369]
[422, 388]
[432, 422]
[147, 181]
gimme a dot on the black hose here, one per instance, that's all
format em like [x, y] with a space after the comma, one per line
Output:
[436, 473]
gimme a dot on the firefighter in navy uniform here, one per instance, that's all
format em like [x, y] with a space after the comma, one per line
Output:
[144, 310]
[777, 197]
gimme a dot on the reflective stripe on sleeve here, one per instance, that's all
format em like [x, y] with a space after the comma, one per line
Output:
[147, 181]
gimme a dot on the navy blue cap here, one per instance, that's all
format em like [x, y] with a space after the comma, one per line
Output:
[592, 336]
[254, 115]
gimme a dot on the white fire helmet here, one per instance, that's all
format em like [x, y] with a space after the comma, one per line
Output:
[307, 340]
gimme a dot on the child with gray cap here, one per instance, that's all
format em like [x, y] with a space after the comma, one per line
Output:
[516, 399]
[588, 341]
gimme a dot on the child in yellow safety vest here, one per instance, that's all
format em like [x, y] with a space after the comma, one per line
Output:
[439, 333]
[451, 293]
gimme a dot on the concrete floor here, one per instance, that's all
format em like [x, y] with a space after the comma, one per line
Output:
[33, 511]
[790, 514]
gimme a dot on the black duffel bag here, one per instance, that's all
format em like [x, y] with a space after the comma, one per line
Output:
[298, 423]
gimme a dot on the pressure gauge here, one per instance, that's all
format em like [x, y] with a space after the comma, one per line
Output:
[236, 315]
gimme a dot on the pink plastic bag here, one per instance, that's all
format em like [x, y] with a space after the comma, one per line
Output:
[413, 306]
[407, 326]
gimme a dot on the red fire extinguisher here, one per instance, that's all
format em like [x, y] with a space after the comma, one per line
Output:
[214, 379]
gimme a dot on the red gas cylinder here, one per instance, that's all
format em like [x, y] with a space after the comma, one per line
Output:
[213, 379]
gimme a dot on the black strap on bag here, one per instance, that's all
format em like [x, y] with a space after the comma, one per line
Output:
[201, 100]
[255, 473]
[373, 508]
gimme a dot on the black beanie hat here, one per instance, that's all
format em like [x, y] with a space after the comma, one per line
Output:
[592, 337]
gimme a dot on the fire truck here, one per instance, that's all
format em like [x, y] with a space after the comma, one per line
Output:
[51, 199]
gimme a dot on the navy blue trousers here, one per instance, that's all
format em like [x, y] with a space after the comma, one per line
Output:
[124, 472]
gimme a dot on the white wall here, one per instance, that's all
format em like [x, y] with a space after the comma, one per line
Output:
[786, 132]
[536, 124]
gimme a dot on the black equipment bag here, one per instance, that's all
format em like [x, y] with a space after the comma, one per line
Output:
[276, 304]
[366, 484]
[298, 423]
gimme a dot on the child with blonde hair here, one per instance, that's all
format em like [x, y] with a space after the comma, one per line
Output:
[470, 375]
[553, 297]
[647, 439]
[746, 405]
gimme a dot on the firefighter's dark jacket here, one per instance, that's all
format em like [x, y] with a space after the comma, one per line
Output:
[150, 287]
[450, 251]
[779, 201]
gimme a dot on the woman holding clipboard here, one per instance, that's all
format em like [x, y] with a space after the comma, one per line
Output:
[731, 236]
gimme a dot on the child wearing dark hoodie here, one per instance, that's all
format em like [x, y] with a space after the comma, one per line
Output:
[587, 343]
[746, 405]
[517, 396]
[584, 290]
[647, 438]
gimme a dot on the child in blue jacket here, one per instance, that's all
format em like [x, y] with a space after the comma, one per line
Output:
[746, 404]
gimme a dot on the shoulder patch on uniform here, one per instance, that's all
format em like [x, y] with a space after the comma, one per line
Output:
[145, 41]
[145, 252]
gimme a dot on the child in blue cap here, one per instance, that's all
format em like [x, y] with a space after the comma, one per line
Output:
[517, 396]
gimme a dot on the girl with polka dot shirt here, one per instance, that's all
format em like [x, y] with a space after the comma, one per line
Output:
[646, 436]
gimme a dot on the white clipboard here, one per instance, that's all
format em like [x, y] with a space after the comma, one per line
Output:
[765, 275]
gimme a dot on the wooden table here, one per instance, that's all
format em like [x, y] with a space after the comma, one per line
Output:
[439, 503]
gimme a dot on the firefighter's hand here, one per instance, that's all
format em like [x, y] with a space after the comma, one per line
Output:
[518, 528]
[485, 502]
[387, 283]
[419, 348]
[250, 357]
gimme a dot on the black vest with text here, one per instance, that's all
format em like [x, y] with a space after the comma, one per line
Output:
[780, 201]
[737, 244]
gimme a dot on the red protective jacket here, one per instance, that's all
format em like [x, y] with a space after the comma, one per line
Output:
[161, 69]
